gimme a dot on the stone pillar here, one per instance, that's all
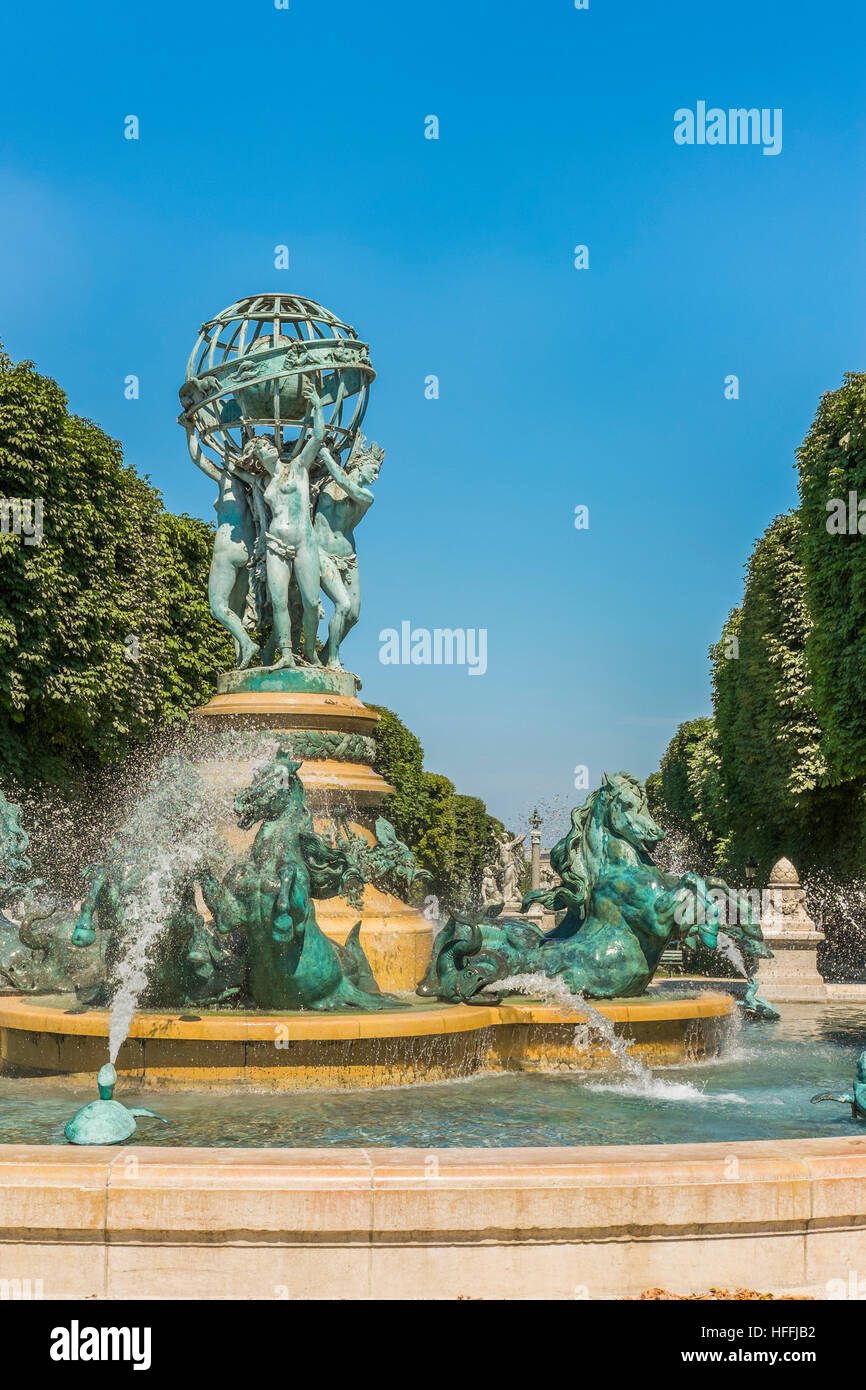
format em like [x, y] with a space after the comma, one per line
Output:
[535, 842]
[793, 938]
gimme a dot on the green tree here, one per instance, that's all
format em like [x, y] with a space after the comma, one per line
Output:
[450, 835]
[400, 760]
[769, 738]
[689, 791]
[105, 634]
[832, 465]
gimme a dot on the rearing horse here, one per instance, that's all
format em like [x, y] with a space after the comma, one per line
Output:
[268, 897]
[621, 910]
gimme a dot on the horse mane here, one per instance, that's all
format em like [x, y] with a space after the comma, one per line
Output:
[571, 856]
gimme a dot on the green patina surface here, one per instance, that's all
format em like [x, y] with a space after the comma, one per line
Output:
[621, 911]
[106, 1121]
[856, 1097]
[297, 680]
[262, 945]
[275, 392]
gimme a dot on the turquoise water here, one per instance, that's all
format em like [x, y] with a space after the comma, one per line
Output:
[760, 1089]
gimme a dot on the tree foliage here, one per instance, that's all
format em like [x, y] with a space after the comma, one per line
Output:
[769, 737]
[105, 634]
[689, 785]
[779, 768]
[450, 835]
[832, 465]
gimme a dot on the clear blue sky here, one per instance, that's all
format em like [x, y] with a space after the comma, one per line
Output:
[558, 387]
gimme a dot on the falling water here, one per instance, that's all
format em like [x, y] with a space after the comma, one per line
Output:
[173, 826]
[143, 922]
[638, 1077]
[556, 993]
[169, 832]
[729, 949]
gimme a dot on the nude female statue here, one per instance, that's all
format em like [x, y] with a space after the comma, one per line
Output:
[291, 547]
[234, 543]
[342, 503]
[506, 850]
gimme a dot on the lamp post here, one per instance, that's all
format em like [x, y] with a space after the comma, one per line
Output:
[751, 871]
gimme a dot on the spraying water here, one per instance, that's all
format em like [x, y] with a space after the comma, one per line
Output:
[594, 1025]
[731, 951]
[637, 1078]
[168, 833]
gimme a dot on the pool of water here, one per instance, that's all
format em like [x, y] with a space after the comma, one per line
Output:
[759, 1089]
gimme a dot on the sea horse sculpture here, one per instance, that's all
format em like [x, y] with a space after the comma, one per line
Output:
[621, 910]
[267, 897]
[36, 951]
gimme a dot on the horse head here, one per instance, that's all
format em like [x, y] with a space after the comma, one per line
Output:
[275, 791]
[627, 814]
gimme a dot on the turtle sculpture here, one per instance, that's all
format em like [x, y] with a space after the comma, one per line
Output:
[857, 1098]
[106, 1121]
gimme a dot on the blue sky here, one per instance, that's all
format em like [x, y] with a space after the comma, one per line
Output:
[558, 387]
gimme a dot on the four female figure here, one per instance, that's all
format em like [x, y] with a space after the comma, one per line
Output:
[271, 545]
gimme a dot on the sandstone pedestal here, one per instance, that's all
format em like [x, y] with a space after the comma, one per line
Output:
[317, 712]
[793, 938]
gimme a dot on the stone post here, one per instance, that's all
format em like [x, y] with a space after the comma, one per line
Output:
[793, 938]
[535, 842]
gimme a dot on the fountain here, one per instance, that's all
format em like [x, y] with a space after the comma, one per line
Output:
[249, 924]
[249, 929]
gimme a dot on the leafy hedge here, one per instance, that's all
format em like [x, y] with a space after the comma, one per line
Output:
[781, 767]
[450, 835]
[105, 634]
[768, 734]
[832, 464]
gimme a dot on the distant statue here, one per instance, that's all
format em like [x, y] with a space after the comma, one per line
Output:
[510, 867]
[491, 897]
[343, 501]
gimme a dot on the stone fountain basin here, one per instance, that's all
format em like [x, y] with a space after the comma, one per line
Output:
[50, 1035]
[549, 1223]
[361, 1221]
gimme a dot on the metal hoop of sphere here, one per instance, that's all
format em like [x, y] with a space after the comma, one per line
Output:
[246, 372]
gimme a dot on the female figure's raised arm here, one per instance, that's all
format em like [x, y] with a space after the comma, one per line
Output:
[308, 455]
[362, 495]
[198, 456]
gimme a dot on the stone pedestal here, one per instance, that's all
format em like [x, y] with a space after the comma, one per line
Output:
[318, 713]
[792, 936]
